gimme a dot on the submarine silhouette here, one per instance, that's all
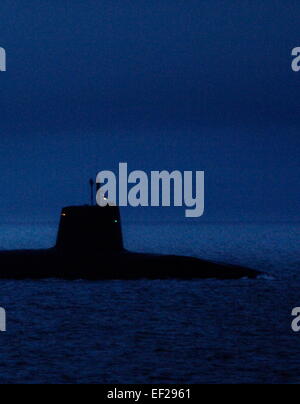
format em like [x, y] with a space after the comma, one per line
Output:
[90, 246]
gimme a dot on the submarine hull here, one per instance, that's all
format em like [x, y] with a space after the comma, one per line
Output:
[90, 246]
[52, 263]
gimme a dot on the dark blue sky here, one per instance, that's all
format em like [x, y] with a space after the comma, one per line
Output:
[160, 84]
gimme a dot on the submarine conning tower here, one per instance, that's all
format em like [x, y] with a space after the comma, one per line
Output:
[90, 229]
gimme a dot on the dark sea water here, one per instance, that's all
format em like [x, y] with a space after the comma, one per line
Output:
[159, 331]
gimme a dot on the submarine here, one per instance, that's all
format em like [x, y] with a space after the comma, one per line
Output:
[90, 246]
